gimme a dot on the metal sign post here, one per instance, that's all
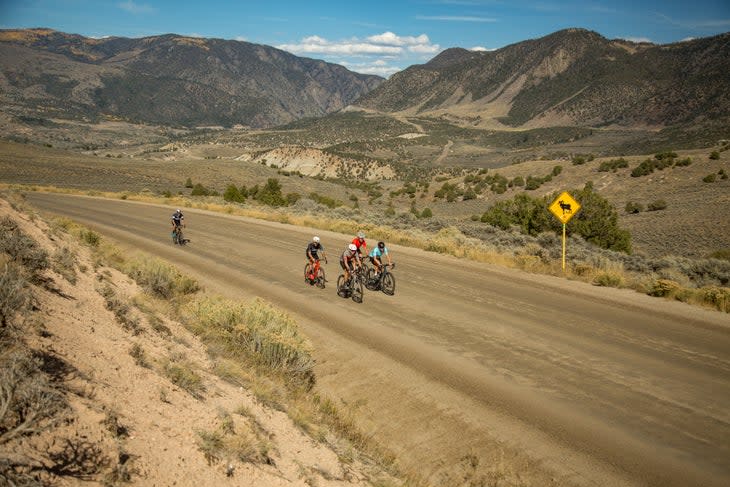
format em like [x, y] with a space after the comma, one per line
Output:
[564, 207]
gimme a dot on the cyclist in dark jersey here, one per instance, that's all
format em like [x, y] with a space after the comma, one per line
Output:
[313, 250]
[178, 220]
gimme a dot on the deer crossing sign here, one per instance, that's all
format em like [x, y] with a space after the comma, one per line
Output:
[564, 207]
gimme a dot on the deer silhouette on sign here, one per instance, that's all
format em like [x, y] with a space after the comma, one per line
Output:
[565, 207]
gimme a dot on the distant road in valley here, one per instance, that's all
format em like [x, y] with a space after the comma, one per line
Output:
[557, 382]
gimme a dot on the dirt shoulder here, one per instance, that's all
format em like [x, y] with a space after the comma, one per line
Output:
[127, 420]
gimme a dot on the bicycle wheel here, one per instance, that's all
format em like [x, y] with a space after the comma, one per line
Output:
[307, 270]
[371, 282]
[357, 291]
[388, 284]
[341, 290]
[181, 239]
[320, 278]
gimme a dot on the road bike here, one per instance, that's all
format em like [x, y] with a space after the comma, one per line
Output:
[353, 287]
[385, 281]
[314, 277]
[178, 238]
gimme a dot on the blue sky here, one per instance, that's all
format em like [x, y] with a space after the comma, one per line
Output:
[374, 36]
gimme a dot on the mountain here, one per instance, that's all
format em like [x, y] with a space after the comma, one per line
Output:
[571, 77]
[168, 79]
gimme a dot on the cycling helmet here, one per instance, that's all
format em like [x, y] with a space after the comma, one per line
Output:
[315, 240]
[361, 235]
[381, 245]
[352, 247]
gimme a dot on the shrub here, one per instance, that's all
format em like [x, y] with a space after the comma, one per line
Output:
[233, 194]
[643, 169]
[717, 297]
[613, 165]
[13, 292]
[633, 207]
[426, 213]
[256, 332]
[557, 170]
[657, 205]
[608, 279]
[21, 248]
[89, 237]
[189, 183]
[64, 262]
[271, 194]
[710, 178]
[324, 200]
[663, 288]
[200, 190]
[183, 375]
[714, 155]
[160, 278]
[723, 254]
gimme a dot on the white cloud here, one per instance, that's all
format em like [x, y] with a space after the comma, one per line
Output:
[392, 39]
[379, 67]
[136, 8]
[637, 39]
[382, 54]
[480, 49]
[386, 43]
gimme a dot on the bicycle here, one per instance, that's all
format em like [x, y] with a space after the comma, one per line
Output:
[178, 238]
[317, 272]
[385, 281]
[353, 288]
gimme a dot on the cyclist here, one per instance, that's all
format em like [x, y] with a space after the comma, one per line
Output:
[376, 257]
[313, 250]
[178, 220]
[360, 244]
[350, 261]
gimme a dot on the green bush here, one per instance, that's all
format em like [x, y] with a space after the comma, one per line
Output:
[271, 194]
[426, 213]
[714, 155]
[633, 207]
[200, 190]
[710, 178]
[657, 205]
[597, 221]
[723, 254]
[233, 194]
[613, 165]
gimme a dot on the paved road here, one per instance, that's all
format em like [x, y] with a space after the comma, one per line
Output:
[546, 380]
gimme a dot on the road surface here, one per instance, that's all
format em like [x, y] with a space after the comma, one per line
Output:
[545, 380]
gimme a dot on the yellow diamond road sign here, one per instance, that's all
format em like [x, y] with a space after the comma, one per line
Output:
[564, 207]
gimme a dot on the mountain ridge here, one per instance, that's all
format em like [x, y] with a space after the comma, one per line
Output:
[171, 79]
[570, 77]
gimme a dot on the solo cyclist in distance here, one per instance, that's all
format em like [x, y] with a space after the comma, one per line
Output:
[178, 220]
